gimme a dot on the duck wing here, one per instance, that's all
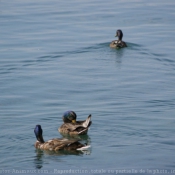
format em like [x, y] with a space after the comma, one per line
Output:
[83, 127]
[120, 44]
[79, 125]
[58, 144]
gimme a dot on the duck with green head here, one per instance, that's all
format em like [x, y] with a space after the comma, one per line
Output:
[73, 127]
[56, 144]
[118, 43]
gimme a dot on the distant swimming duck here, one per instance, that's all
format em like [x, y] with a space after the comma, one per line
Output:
[73, 127]
[56, 143]
[118, 43]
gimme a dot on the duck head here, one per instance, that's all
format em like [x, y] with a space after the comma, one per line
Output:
[69, 117]
[119, 33]
[39, 133]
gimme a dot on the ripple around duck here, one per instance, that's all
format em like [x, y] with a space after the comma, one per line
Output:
[89, 49]
[162, 58]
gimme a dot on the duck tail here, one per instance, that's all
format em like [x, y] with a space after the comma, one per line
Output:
[87, 122]
[84, 148]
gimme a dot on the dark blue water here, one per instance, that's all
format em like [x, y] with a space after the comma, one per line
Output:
[55, 56]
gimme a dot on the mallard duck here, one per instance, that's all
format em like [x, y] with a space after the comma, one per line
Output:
[73, 127]
[118, 43]
[56, 144]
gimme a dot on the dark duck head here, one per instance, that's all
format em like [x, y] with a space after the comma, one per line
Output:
[119, 34]
[39, 133]
[69, 117]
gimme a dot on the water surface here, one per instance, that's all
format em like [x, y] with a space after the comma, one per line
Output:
[55, 56]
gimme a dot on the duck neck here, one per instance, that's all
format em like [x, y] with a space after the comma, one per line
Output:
[40, 139]
[120, 38]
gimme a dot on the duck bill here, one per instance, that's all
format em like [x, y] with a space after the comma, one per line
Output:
[74, 121]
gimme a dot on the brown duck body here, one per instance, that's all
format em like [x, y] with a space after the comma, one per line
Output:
[57, 144]
[78, 128]
[117, 44]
